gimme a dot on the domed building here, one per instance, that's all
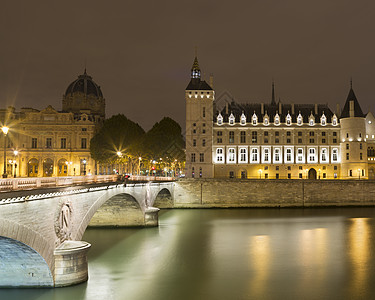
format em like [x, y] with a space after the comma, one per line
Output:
[49, 142]
[84, 96]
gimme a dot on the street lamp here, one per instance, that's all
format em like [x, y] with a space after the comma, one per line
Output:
[319, 174]
[5, 130]
[15, 152]
[359, 174]
[139, 165]
[260, 173]
[84, 166]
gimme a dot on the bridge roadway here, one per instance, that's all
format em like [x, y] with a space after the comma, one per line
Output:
[41, 228]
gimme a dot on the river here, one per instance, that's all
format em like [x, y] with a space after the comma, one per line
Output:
[230, 254]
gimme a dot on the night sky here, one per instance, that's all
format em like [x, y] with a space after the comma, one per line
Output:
[140, 53]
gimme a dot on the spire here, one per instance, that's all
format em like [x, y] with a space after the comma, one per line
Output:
[195, 70]
[273, 102]
[351, 107]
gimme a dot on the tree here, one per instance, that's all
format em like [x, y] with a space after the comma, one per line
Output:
[117, 135]
[164, 143]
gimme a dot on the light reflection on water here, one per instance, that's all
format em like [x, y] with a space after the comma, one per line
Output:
[230, 254]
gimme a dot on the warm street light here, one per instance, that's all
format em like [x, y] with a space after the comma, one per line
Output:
[5, 130]
[119, 154]
[84, 166]
[359, 174]
[260, 173]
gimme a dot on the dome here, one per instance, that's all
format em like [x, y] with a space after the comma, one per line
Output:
[84, 84]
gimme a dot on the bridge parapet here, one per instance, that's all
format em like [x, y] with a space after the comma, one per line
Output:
[23, 183]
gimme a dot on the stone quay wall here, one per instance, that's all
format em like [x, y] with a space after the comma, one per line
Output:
[205, 193]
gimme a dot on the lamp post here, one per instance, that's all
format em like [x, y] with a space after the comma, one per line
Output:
[260, 173]
[84, 166]
[359, 174]
[139, 165]
[319, 174]
[15, 152]
[5, 130]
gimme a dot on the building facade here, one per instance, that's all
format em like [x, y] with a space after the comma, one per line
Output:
[275, 140]
[54, 143]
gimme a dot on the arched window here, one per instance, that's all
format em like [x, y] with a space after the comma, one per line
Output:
[266, 120]
[311, 120]
[231, 119]
[243, 155]
[219, 155]
[231, 155]
[219, 119]
[299, 119]
[277, 119]
[334, 120]
[323, 120]
[254, 119]
[288, 119]
[243, 119]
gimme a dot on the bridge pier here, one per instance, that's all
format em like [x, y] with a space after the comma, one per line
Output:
[151, 217]
[71, 263]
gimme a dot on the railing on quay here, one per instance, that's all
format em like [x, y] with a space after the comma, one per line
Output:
[23, 183]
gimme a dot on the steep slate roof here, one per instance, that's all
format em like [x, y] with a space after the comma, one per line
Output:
[271, 109]
[197, 84]
[357, 108]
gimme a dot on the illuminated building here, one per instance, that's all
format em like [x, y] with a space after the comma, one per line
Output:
[51, 142]
[275, 140]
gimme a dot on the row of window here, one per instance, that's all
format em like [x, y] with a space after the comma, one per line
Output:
[254, 137]
[276, 155]
[48, 145]
[277, 121]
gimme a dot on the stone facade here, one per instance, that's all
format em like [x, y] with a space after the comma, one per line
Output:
[54, 143]
[206, 193]
[226, 139]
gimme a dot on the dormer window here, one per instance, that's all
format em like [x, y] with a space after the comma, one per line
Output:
[243, 119]
[254, 119]
[311, 120]
[334, 120]
[277, 119]
[323, 120]
[266, 120]
[299, 119]
[288, 119]
[231, 119]
[219, 119]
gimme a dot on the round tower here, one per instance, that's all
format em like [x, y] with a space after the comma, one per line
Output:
[353, 146]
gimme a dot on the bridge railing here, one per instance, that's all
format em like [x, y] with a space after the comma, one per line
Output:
[150, 178]
[39, 182]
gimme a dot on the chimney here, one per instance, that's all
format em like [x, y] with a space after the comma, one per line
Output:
[338, 113]
[262, 108]
[280, 111]
[316, 109]
[292, 108]
[351, 108]
[212, 81]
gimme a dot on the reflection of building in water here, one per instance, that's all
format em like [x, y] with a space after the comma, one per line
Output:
[274, 140]
[359, 253]
[51, 142]
[260, 254]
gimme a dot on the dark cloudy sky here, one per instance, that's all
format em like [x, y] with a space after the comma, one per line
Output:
[141, 52]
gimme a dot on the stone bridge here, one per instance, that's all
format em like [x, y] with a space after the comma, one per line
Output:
[41, 229]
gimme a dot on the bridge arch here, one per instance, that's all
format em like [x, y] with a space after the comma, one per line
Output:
[102, 219]
[163, 199]
[22, 266]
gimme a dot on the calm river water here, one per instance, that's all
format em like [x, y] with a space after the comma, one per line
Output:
[230, 254]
